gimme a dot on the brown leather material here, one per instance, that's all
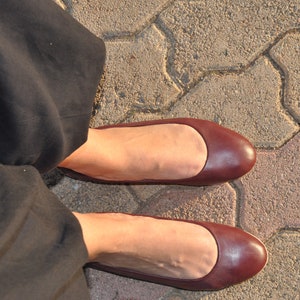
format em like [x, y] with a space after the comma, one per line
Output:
[229, 154]
[240, 257]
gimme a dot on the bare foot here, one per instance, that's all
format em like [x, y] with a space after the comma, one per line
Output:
[152, 246]
[168, 151]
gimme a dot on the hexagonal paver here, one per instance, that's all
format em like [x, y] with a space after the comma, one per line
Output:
[90, 197]
[105, 286]
[136, 76]
[248, 103]
[174, 295]
[286, 53]
[144, 192]
[111, 18]
[210, 35]
[216, 204]
[271, 191]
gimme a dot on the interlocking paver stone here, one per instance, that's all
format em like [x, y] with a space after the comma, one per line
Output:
[114, 17]
[145, 192]
[136, 76]
[121, 288]
[271, 191]
[213, 35]
[286, 53]
[176, 295]
[90, 197]
[248, 103]
[216, 204]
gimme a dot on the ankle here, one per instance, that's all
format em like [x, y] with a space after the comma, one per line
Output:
[103, 233]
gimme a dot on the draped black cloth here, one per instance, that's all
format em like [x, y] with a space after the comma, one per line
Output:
[50, 66]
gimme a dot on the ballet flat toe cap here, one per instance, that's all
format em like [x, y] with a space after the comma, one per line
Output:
[229, 154]
[240, 257]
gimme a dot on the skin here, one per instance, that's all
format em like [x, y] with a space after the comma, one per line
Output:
[158, 247]
[169, 151]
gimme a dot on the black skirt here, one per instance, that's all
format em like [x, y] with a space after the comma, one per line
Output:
[49, 69]
[50, 66]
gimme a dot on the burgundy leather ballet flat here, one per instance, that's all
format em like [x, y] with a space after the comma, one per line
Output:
[229, 155]
[240, 257]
